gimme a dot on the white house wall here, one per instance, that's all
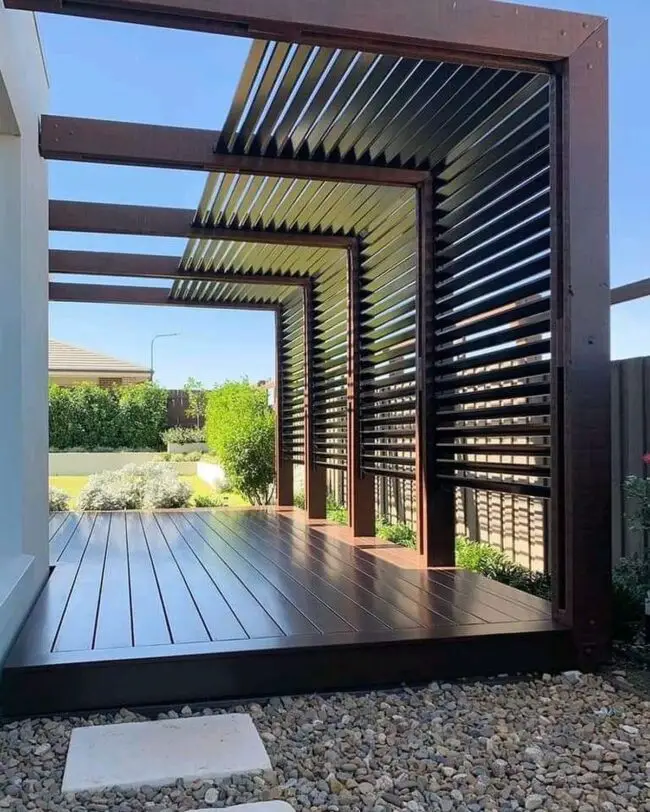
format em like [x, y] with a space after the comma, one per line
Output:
[23, 322]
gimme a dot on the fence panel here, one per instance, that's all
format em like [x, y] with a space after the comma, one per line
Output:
[177, 404]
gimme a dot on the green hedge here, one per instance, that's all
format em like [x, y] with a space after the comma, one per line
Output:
[240, 432]
[88, 416]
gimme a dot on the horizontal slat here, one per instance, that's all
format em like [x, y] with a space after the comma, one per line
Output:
[496, 412]
[511, 373]
[512, 450]
[477, 484]
[484, 394]
[503, 468]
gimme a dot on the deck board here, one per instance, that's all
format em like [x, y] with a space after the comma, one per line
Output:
[172, 606]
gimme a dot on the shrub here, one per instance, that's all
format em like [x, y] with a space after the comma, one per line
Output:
[299, 500]
[487, 560]
[150, 486]
[185, 456]
[336, 512]
[181, 435]
[87, 416]
[631, 582]
[204, 500]
[58, 499]
[398, 533]
[142, 415]
[240, 430]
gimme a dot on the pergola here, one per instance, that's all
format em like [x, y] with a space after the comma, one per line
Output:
[420, 194]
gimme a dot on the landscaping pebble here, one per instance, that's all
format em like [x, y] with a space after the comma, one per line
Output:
[557, 744]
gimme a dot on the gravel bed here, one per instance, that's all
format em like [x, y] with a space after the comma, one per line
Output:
[564, 743]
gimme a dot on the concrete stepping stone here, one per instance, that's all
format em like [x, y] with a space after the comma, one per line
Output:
[156, 754]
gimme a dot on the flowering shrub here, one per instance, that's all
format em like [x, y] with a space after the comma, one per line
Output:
[134, 487]
[58, 499]
[182, 434]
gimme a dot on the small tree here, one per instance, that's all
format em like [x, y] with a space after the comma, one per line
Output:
[240, 430]
[197, 400]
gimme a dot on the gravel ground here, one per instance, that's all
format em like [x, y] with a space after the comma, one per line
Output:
[564, 743]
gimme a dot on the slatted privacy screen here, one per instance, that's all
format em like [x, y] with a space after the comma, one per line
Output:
[387, 352]
[291, 383]
[492, 301]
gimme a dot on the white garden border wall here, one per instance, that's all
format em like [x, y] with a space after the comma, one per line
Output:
[84, 463]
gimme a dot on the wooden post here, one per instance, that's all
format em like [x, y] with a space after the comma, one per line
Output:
[580, 547]
[435, 501]
[315, 475]
[283, 466]
[361, 487]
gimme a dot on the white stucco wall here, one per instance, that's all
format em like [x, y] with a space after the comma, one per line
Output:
[23, 322]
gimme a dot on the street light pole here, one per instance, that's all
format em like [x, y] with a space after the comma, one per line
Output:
[153, 341]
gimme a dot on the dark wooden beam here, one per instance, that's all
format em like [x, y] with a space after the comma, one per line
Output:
[155, 266]
[315, 474]
[126, 144]
[156, 221]
[360, 485]
[634, 290]
[581, 369]
[460, 28]
[436, 531]
[125, 294]
[283, 466]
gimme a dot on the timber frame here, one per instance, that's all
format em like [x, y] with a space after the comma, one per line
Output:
[568, 55]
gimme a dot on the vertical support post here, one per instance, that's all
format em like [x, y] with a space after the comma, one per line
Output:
[283, 466]
[361, 487]
[315, 475]
[435, 501]
[581, 417]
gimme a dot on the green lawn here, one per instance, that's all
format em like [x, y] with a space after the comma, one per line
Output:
[72, 485]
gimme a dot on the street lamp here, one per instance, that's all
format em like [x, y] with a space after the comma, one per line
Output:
[153, 341]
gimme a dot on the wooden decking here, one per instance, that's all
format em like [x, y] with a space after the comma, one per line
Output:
[205, 605]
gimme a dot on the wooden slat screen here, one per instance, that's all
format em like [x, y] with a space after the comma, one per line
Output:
[292, 379]
[493, 301]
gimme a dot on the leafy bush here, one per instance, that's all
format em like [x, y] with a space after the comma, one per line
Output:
[399, 533]
[58, 499]
[185, 456]
[204, 500]
[299, 500]
[487, 560]
[336, 512]
[88, 416]
[631, 583]
[240, 431]
[134, 487]
[142, 415]
[181, 435]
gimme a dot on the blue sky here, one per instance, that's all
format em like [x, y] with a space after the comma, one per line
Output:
[133, 73]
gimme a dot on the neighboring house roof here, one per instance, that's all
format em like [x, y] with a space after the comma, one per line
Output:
[68, 358]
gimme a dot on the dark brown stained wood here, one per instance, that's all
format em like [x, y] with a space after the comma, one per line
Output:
[315, 474]
[217, 616]
[157, 221]
[391, 595]
[128, 144]
[60, 537]
[148, 617]
[259, 602]
[634, 290]
[137, 295]
[154, 266]
[113, 627]
[281, 607]
[256, 621]
[361, 484]
[183, 617]
[283, 464]
[357, 595]
[77, 629]
[458, 27]
[435, 500]
[581, 498]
